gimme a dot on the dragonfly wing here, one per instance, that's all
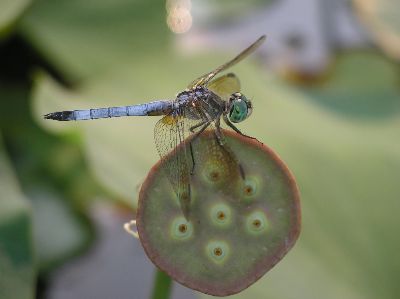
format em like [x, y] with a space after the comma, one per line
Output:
[225, 86]
[172, 138]
[246, 52]
[216, 161]
[169, 135]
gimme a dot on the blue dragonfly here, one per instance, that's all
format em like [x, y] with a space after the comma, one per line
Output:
[199, 107]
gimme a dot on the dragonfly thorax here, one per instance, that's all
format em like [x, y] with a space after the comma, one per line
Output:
[199, 103]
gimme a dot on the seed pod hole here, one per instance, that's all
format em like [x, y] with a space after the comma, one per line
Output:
[221, 214]
[183, 198]
[181, 229]
[257, 222]
[214, 175]
[217, 251]
[250, 187]
[248, 190]
[213, 172]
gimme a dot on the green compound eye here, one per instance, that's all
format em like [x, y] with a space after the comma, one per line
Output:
[256, 222]
[238, 111]
[240, 108]
[217, 251]
[181, 229]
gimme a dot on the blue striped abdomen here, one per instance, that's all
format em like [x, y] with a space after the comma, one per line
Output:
[147, 109]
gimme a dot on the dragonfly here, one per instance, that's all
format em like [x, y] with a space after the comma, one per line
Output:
[199, 107]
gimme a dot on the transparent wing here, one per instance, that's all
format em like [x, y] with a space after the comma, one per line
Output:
[216, 161]
[169, 133]
[225, 86]
[172, 137]
[246, 52]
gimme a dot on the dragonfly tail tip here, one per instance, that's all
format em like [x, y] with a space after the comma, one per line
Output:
[61, 116]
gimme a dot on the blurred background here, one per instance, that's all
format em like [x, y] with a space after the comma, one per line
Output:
[326, 92]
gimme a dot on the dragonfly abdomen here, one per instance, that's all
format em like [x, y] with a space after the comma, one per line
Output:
[147, 109]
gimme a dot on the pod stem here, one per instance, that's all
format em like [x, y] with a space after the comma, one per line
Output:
[162, 286]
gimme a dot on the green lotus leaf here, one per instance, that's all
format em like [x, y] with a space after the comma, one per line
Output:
[360, 84]
[84, 40]
[17, 264]
[10, 11]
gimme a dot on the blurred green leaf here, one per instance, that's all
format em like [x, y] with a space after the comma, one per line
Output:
[52, 175]
[17, 278]
[10, 11]
[85, 40]
[361, 84]
[58, 233]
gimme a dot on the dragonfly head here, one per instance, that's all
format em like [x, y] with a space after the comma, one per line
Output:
[239, 107]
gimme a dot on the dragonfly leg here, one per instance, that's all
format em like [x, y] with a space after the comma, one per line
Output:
[205, 124]
[226, 148]
[197, 125]
[232, 126]
[193, 161]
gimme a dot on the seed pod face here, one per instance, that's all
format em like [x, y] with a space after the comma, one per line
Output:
[238, 228]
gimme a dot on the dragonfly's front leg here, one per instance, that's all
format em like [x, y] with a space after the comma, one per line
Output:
[232, 126]
[205, 124]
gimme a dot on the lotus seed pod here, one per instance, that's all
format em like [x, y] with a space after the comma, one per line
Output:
[238, 228]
